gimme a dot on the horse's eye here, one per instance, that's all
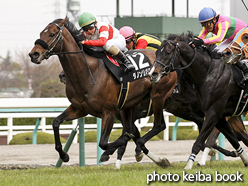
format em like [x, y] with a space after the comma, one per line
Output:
[168, 53]
[52, 35]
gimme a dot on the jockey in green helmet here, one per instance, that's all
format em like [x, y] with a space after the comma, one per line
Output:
[101, 34]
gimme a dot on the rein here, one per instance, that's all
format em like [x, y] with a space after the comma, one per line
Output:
[168, 68]
[56, 40]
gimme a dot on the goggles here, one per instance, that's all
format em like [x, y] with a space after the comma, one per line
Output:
[129, 40]
[88, 27]
[206, 24]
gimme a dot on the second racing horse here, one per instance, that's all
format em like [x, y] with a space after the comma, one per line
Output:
[217, 91]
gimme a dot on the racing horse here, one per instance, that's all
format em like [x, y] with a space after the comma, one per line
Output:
[237, 49]
[216, 89]
[100, 98]
[183, 103]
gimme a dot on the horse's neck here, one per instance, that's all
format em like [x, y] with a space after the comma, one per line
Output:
[198, 71]
[77, 67]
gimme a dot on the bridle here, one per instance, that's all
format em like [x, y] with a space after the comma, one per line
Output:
[59, 38]
[243, 48]
[238, 48]
[169, 68]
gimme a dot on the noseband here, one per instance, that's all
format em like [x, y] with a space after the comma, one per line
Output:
[230, 46]
[49, 47]
[169, 68]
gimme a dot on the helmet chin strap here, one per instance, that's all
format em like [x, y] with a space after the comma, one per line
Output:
[214, 22]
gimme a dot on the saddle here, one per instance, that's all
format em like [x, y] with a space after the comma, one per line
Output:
[243, 99]
[140, 61]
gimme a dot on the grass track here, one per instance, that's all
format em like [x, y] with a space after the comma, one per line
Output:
[128, 175]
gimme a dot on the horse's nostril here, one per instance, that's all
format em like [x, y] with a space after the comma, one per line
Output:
[34, 55]
[226, 53]
[154, 74]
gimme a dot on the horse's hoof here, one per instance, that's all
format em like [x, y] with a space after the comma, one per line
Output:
[118, 164]
[66, 158]
[139, 157]
[211, 152]
[164, 163]
[104, 158]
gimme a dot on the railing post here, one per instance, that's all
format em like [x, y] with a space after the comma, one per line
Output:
[222, 145]
[166, 131]
[43, 124]
[10, 130]
[174, 131]
[81, 122]
[99, 150]
[74, 124]
[34, 138]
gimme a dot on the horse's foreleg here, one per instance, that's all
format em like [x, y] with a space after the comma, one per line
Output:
[108, 119]
[207, 127]
[159, 125]
[69, 114]
[210, 143]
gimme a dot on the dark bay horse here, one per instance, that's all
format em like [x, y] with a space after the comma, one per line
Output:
[183, 103]
[217, 91]
[99, 100]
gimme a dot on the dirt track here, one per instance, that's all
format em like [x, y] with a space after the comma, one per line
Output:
[45, 155]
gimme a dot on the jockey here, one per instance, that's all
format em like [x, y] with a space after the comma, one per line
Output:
[101, 34]
[139, 40]
[224, 29]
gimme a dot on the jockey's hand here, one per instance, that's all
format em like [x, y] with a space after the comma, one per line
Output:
[196, 43]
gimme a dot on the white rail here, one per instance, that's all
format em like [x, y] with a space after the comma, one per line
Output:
[38, 103]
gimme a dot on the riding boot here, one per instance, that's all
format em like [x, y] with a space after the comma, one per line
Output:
[125, 61]
[243, 65]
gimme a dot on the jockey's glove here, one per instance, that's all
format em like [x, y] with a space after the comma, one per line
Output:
[196, 42]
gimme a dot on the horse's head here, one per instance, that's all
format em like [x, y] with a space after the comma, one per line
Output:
[238, 49]
[168, 57]
[51, 40]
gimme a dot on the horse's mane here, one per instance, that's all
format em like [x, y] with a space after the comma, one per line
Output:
[92, 51]
[188, 37]
[72, 29]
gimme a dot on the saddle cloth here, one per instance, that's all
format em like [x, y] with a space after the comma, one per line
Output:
[142, 66]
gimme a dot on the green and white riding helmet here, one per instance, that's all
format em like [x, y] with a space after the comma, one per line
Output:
[85, 19]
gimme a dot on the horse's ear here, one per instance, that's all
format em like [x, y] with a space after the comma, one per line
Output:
[66, 18]
[178, 38]
[63, 21]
